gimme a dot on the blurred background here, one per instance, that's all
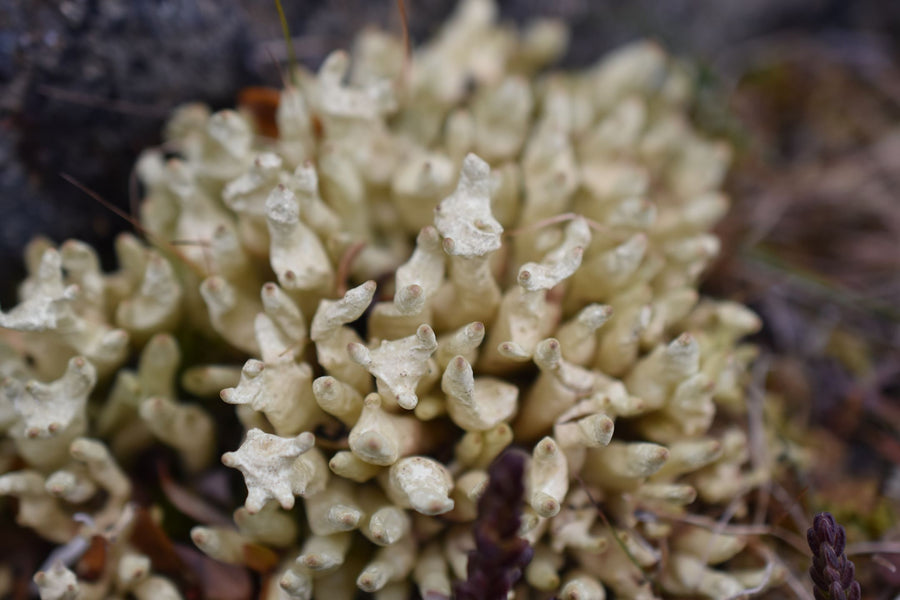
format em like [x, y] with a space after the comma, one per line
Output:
[807, 91]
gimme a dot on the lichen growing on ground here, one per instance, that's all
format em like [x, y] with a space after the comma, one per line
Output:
[434, 260]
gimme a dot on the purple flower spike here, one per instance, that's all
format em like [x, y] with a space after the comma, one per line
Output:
[500, 555]
[831, 572]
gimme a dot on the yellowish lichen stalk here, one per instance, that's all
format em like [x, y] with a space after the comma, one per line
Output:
[436, 260]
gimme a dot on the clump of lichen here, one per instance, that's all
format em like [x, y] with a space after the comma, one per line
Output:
[537, 239]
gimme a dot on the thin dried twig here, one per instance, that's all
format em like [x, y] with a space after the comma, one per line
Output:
[793, 507]
[756, 427]
[612, 530]
[721, 524]
[792, 580]
[343, 270]
[784, 535]
[768, 556]
[562, 218]
[153, 239]
[873, 548]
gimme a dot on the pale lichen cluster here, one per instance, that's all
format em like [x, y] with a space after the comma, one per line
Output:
[536, 239]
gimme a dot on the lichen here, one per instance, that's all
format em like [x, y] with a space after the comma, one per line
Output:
[537, 243]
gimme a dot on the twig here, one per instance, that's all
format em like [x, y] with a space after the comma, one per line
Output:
[565, 217]
[757, 431]
[612, 529]
[405, 72]
[343, 270]
[784, 535]
[721, 524]
[134, 223]
[793, 507]
[795, 584]
[873, 548]
[767, 576]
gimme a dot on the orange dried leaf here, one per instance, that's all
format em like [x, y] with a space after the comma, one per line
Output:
[93, 561]
[259, 558]
[262, 104]
[150, 539]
